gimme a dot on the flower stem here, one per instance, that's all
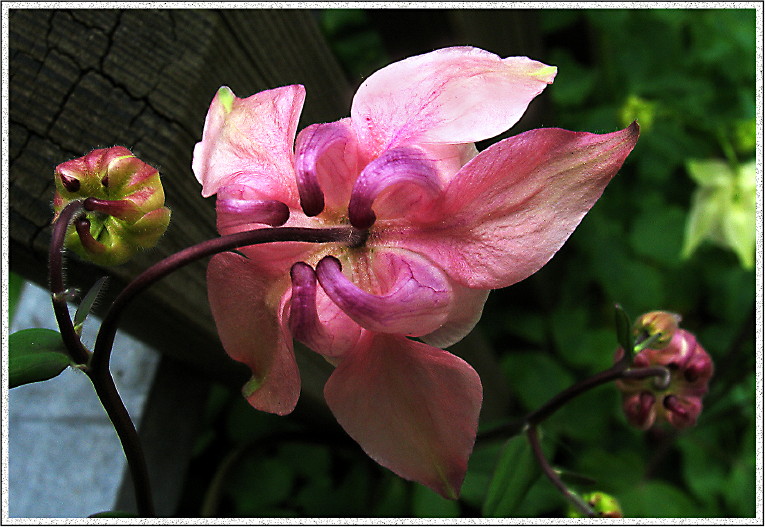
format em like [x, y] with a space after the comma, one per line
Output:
[128, 436]
[576, 501]
[77, 352]
[108, 330]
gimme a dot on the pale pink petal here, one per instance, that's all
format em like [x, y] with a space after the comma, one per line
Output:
[315, 320]
[325, 162]
[248, 306]
[465, 312]
[249, 142]
[510, 209]
[412, 408]
[405, 181]
[451, 95]
[410, 296]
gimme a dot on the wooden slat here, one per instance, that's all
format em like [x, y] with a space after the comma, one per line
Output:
[81, 79]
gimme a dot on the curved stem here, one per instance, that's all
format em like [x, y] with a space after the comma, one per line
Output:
[108, 330]
[72, 341]
[131, 444]
[576, 501]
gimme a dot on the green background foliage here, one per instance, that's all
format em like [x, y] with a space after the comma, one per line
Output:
[688, 77]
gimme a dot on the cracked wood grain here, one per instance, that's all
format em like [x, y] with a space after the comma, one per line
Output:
[84, 79]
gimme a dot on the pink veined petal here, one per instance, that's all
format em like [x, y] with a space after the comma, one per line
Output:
[325, 162]
[465, 312]
[412, 408]
[510, 209]
[249, 141]
[412, 296]
[249, 306]
[404, 180]
[451, 95]
[315, 320]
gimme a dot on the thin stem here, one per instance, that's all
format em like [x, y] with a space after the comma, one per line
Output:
[620, 370]
[102, 350]
[72, 342]
[131, 444]
[552, 475]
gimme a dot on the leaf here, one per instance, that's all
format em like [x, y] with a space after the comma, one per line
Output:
[516, 472]
[35, 355]
[87, 303]
[623, 329]
[15, 285]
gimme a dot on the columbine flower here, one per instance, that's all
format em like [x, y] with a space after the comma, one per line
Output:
[678, 403]
[441, 224]
[124, 204]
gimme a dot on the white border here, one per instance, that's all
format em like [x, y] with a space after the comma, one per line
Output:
[758, 6]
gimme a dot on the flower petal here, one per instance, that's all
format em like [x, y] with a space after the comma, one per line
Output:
[248, 306]
[325, 162]
[451, 95]
[315, 320]
[465, 312]
[238, 208]
[249, 141]
[510, 209]
[412, 408]
[403, 178]
[411, 296]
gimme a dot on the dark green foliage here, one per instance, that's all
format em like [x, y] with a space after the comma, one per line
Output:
[688, 77]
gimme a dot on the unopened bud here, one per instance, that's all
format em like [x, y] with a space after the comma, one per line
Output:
[656, 327]
[678, 402]
[124, 204]
[604, 505]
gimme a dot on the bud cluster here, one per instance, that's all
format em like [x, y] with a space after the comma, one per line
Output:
[645, 400]
[124, 204]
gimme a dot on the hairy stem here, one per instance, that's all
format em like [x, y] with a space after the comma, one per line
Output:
[77, 351]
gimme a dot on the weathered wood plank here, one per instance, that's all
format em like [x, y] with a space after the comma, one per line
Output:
[81, 79]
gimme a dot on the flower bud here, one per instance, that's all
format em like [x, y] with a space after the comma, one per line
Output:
[646, 400]
[659, 326]
[124, 204]
[604, 505]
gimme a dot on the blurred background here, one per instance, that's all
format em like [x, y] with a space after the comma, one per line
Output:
[675, 230]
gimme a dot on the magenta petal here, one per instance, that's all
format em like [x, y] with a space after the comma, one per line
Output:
[510, 209]
[412, 408]
[332, 334]
[408, 178]
[248, 306]
[413, 298]
[249, 141]
[325, 163]
[451, 95]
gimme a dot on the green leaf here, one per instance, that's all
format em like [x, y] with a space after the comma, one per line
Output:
[35, 355]
[623, 329]
[515, 474]
[15, 285]
[87, 303]
[428, 504]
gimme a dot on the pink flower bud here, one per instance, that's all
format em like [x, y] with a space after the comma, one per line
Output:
[124, 204]
[645, 400]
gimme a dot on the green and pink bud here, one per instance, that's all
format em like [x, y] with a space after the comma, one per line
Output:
[647, 401]
[124, 204]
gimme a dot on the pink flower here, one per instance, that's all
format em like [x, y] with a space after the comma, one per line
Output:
[442, 225]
